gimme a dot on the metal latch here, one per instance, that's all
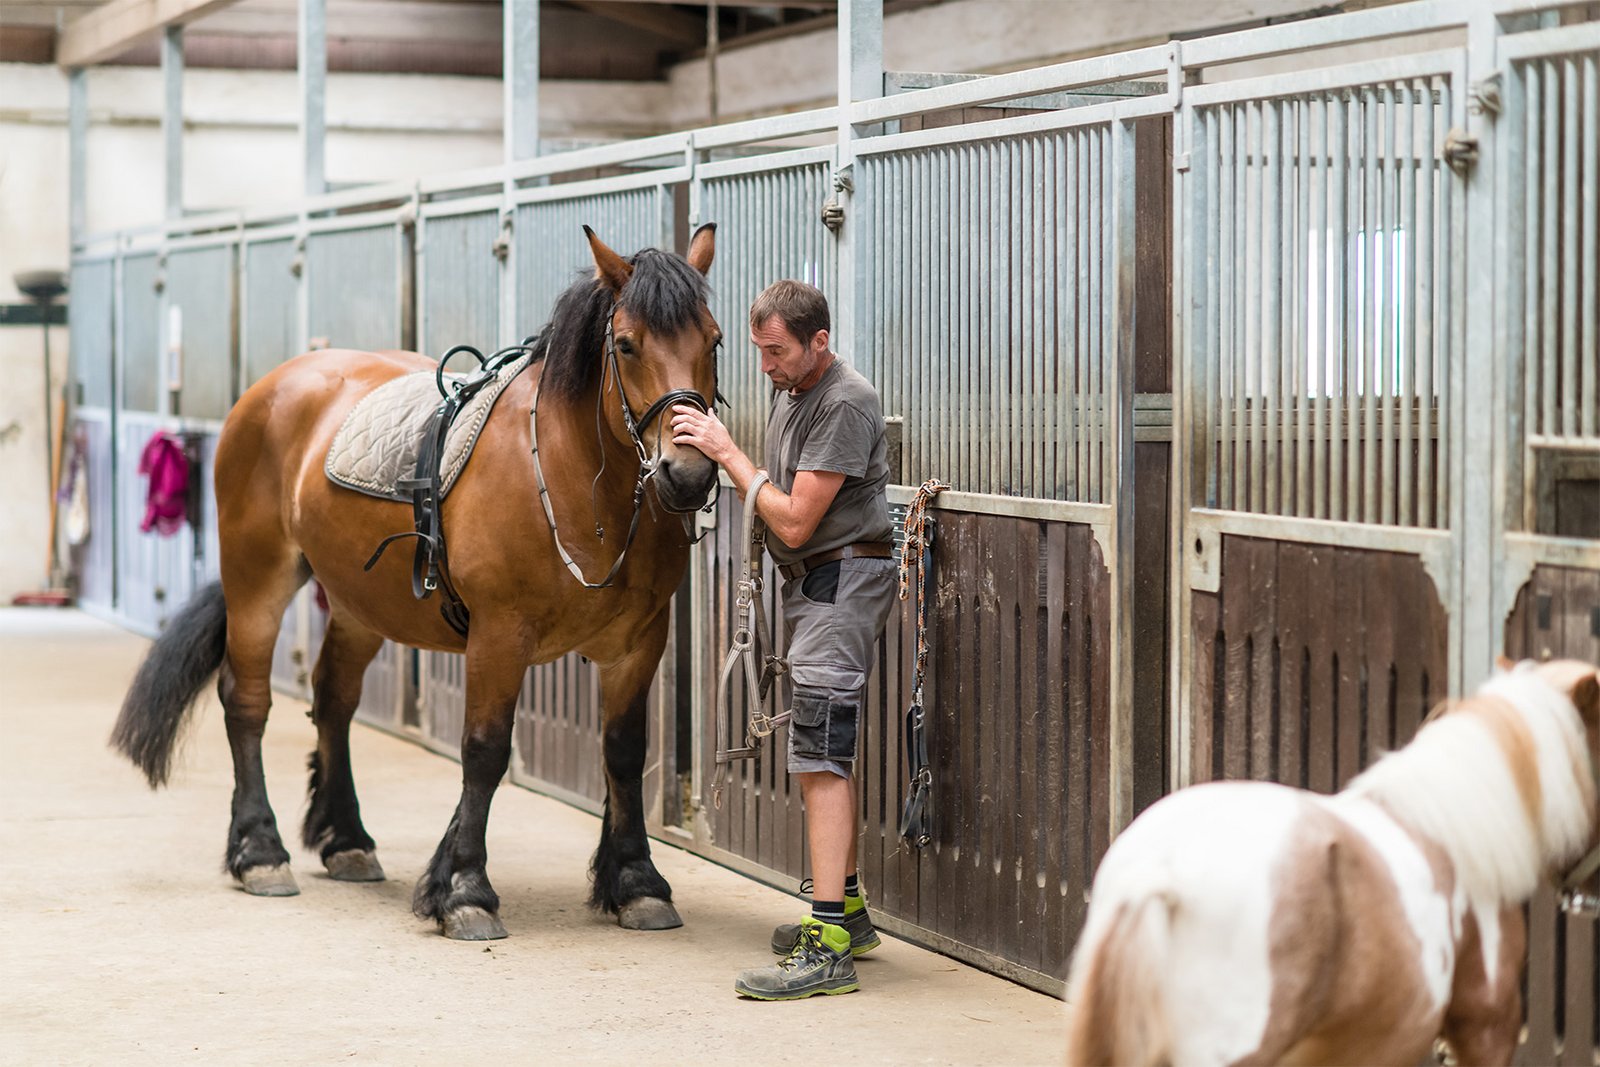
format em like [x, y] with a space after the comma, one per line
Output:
[1460, 151]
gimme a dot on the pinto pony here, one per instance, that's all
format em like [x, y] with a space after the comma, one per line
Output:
[621, 345]
[1251, 923]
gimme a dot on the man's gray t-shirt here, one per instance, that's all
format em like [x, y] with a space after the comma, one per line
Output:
[836, 425]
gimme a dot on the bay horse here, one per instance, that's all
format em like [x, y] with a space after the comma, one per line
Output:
[621, 345]
[1252, 923]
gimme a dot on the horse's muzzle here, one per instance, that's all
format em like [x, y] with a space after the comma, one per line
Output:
[685, 480]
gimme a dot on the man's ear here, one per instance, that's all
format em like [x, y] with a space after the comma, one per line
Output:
[608, 266]
[819, 341]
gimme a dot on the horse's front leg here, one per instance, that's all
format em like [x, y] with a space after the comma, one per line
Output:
[455, 888]
[626, 882]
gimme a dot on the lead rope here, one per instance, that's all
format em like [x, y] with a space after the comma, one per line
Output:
[916, 818]
[748, 648]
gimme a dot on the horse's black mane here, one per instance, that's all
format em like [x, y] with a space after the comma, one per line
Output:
[664, 291]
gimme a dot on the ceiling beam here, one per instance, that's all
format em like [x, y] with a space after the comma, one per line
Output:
[666, 22]
[120, 24]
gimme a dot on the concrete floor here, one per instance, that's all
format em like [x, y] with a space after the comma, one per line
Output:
[123, 942]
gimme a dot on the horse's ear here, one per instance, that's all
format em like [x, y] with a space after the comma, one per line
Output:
[1504, 663]
[703, 247]
[608, 266]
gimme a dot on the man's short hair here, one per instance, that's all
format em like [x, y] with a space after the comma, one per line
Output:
[801, 308]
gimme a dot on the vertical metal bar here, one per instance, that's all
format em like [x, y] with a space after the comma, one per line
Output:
[1321, 275]
[1225, 287]
[1338, 336]
[1049, 295]
[1121, 256]
[1533, 366]
[1028, 395]
[520, 83]
[1252, 395]
[1372, 235]
[1568, 410]
[1016, 353]
[1080, 317]
[1299, 344]
[1098, 324]
[1358, 313]
[973, 314]
[1204, 359]
[1066, 315]
[1589, 316]
[1549, 178]
[172, 118]
[78, 152]
[313, 77]
[924, 353]
[999, 321]
[1388, 293]
[860, 77]
[1269, 456]
[1406, 172]
[1451, 227]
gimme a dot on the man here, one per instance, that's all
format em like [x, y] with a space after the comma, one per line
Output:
[828, 530]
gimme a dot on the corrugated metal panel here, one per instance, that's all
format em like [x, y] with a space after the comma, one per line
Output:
[269, 326]
[552, 251]
[90, 317]
[139, 336]
[200, 284]
[1322, 352]
[460, 284]
[988, 321]
[354, 280]
[768, 228]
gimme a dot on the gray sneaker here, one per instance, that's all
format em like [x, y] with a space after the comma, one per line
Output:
[820, 963]
[863, 937]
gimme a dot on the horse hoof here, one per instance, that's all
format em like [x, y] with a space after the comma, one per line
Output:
[354, 865]
[473, 924]
[648, 913]
[274, 881]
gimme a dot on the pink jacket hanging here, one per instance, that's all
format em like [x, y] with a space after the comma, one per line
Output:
[166, 502]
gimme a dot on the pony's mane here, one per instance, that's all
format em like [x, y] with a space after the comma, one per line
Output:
[664, 291]
[1456, 785]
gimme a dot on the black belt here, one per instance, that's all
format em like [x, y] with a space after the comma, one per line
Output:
[859, 550]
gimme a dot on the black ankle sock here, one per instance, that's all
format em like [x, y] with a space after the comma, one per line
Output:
[828, 911]
[852, 886]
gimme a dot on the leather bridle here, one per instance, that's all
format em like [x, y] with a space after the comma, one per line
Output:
[648, 465]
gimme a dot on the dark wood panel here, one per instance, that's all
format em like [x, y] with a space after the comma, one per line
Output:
[1557, 615]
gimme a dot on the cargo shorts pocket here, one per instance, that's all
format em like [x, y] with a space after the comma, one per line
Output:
[822, 728]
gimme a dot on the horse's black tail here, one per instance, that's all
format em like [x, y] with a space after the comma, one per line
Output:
[180, 663]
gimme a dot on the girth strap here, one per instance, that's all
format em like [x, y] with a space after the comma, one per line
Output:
[430, 567]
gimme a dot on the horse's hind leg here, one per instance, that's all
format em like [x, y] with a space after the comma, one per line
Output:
[333, 816]
[257, 597]
[626, 882]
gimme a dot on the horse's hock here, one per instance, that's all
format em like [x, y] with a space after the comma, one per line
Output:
[1269, 420]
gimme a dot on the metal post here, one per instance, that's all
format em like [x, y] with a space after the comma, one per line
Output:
[172, 117]
[78, 151]
[1478, 397]
[860, 78]
[520, 136]
[313, 66]
[713, 46]
[521, 79]
[1120, 393]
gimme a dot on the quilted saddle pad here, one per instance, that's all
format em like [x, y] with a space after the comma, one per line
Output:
[381, 438]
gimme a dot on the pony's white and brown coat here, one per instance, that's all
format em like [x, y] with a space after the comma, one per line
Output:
[1246, 922]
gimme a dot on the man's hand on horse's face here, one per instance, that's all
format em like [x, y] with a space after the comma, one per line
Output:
[702, 430]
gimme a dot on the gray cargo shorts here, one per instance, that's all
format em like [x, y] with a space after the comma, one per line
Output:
[833, 619]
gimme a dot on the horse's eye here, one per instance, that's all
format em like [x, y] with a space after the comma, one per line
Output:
[625, 346]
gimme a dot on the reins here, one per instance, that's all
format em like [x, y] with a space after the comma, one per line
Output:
[1575, 900]
[747, 648]
[647, 465]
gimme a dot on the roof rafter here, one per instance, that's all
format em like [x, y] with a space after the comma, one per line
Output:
[114, 27]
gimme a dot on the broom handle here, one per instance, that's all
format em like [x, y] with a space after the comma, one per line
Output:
[55, 485]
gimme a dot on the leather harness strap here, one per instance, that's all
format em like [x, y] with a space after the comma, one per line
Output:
[859, 550]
